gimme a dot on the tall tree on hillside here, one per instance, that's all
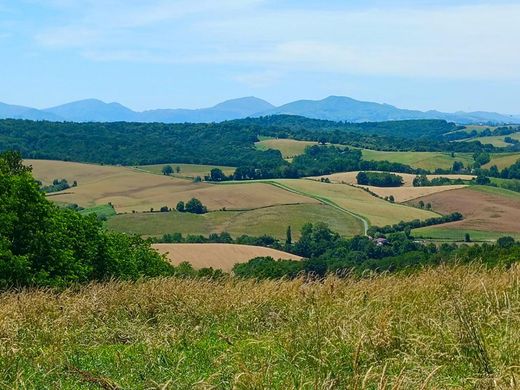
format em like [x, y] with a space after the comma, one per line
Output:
[288, 240]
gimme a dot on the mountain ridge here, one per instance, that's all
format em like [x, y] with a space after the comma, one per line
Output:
[335, 108]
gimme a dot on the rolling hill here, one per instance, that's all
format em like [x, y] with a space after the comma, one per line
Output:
[335, 108]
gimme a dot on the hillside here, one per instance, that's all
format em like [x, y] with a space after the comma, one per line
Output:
[438, 328]
[335, 108]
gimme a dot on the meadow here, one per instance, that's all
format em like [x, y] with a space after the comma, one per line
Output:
[497, 140]
[288, 147]
[503, 160]
[188, 171]
[268, 220]
[447, 327]
[218, 256]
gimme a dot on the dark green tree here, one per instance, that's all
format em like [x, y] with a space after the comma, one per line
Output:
[167, 170]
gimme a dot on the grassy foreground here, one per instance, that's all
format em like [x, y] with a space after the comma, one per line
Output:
[449, 327]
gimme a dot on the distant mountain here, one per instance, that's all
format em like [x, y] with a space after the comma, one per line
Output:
[339, 108]
[228, 110]
[335, 108]
[21, 112]
[93, 110]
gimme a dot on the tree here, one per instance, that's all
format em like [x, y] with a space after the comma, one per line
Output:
[216, 174]
[180, 207]
[178, 169]
[167, 170]
[467, 237]
[428, 206]
[195, 206]
[362, 178]
[421, 204]
[391, 199]
[457, 166]
[288, 240]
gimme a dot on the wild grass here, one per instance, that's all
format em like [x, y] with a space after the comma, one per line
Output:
[448, 327]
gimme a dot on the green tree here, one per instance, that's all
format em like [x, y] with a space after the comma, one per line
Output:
[180, 207]
[178, 169]
[167, 170]
[467, 237]
[288, 239]
[195, 206]
[216, 174]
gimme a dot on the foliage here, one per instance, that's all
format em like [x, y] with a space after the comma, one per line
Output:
[43, 245]
[379, 179]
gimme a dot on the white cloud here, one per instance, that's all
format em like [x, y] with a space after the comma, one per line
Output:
[471, 42]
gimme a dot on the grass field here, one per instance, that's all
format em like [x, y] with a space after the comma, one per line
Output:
[457, 235]
[186, 170]
[424, 160]
[497, 140]
[376, 211]
[128, 189]
[442, 328]
[270, 220]
[503, 160]
[288, 147]
[218, 256]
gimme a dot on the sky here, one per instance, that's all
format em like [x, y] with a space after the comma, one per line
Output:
[444, 55]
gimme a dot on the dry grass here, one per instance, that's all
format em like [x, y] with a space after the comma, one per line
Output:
[128, 189]
[446, 328]
[378, 212]
[288, 147]
[401, 194]
[218, 256]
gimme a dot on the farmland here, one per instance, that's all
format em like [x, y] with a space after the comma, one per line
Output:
[189, 171]
[497, 140]
[268, 220]
[218, 256]
[130, 190]
[484, 208]
[408, 331]
[288, 147]
[503, 160]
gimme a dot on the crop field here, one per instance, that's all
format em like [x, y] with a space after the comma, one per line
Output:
[484, 208]
[268, 220]
[424, 160]
[131, 190]
[186, 170]
[288, 147]
[444, 234]
[218, 256]
[441, 328]
[374, 210]
[503, 160]
[401, 194]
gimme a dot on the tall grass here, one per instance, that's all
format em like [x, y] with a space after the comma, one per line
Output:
[448, 327]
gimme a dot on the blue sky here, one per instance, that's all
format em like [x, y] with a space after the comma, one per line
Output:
[446, 55]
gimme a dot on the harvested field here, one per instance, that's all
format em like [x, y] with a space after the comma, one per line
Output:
[400, 194]
[269, 220]
[484, 208]
[218, 256]
[288, 147]
[130, 190]
[376, 211]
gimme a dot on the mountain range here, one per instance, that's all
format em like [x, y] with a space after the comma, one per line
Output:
[334, 108]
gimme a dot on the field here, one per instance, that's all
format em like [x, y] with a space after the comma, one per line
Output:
[444, 234]
[401, 194]
[503, 160]
[288, 147]
[186, 170]
[218, 256]
[373, 210]
[131, 190]
[497, 140]
[441, 328]
[484, 208]
[269, 220]
[424, 160]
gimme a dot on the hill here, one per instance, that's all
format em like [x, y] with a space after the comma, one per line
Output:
[336, 108]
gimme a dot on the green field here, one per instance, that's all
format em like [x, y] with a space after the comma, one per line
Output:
[104, 210]
[457, 235]
[186, 170]
[424, 160]
[288, 147]
[497, 140]
[268, 220]
[503, 160]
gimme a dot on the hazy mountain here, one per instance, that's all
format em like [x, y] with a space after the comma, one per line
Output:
[93, 110]
[336, 108]
[21, 112]
[339, 108]
[230, 109]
